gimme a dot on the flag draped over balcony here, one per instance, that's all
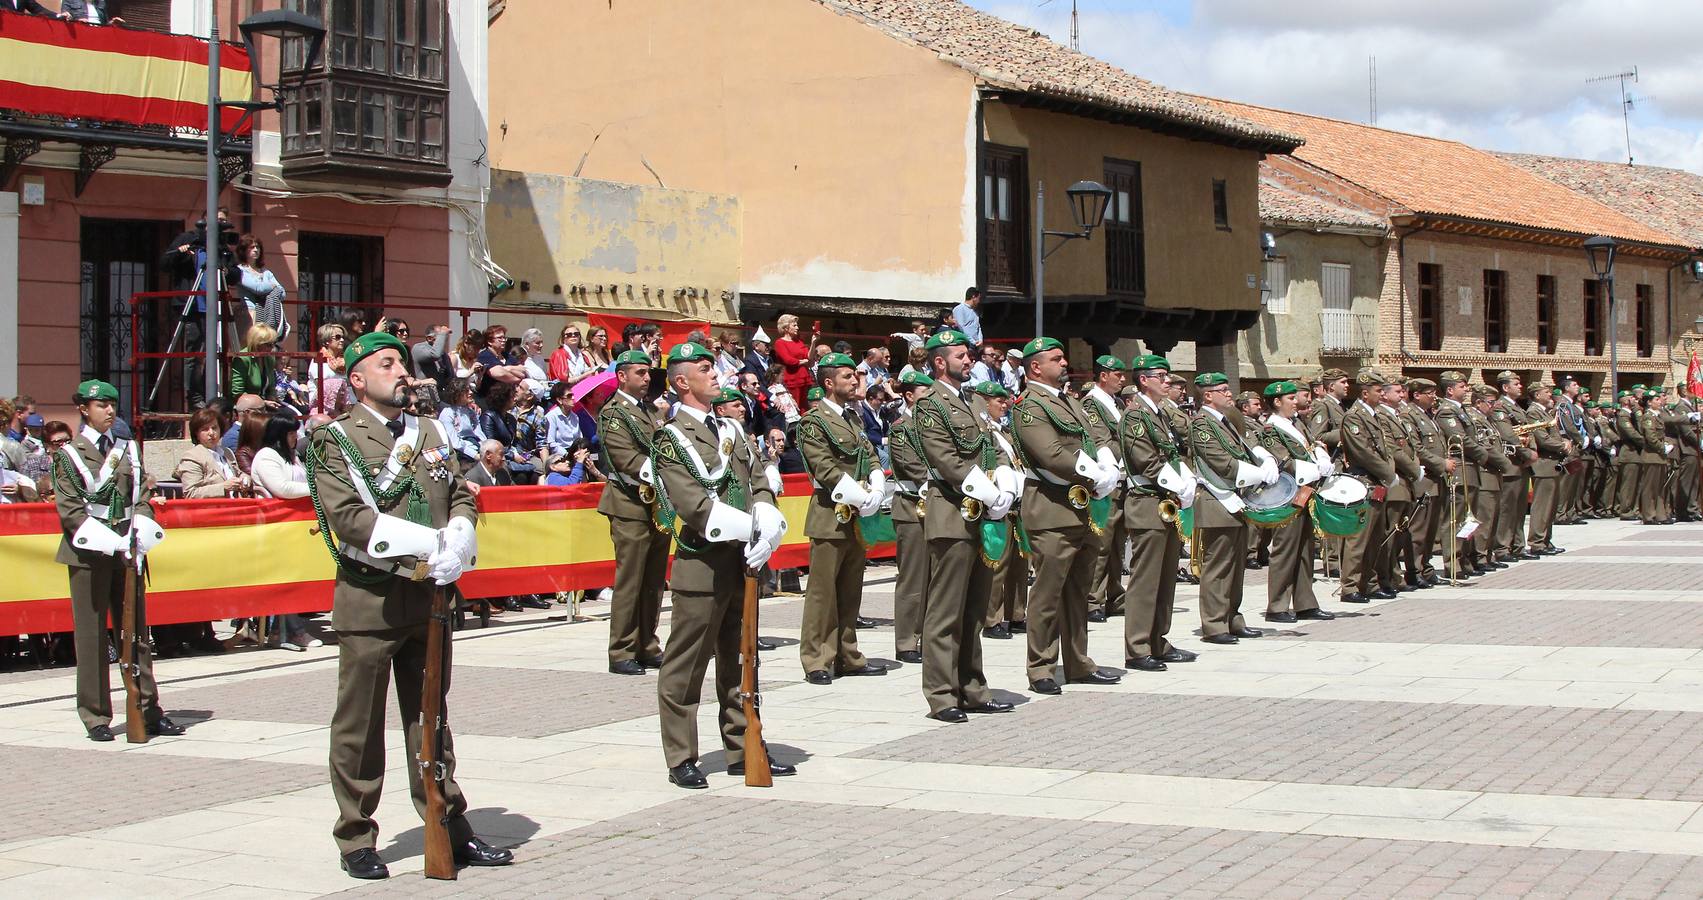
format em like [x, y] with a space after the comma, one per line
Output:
[113, 74]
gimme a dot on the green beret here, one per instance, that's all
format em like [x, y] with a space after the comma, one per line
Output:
[1417, 385]
[1639, 387]
[1282, 388]
[633, 358]
[728, 395]
[1370, 376]
[814, 393]
[990, 389]
[1041, 345]
[914, 379]
[1150, 361]
[1555, 392]
[372, 342]
[1110, 363]
[1210, 379]
[947, 338]
[688, 352]
[94, 389]
[834, 361]
[1623, 394]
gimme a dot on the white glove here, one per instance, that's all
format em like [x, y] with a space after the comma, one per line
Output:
[1106, 482]
[878, 482]
[1248, 475]
[871, 505]
[727, 523]
[1596, 440]
[1666, 448]
[1185, 497]
[446, 565]
[1007, 480]
[1106, 458]
[647, 474]
[1695, 416]
[1305, 472]
[757, 553]
[1087, 466]
[1263, 455]
[394, 536]
[1001, 506]
[774, 476]
[979, 486]
[460, 539]
[849, 492]
[148, 534]
[1271, 470]
[94, 537]
[770, 524]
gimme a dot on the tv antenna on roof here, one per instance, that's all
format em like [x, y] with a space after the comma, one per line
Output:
[1075, 31]
[1625, 103]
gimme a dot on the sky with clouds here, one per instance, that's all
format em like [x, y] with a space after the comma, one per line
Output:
[1499, 74]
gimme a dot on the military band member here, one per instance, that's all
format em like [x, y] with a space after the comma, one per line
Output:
[1488, 508]
[1008, 608]
[1289, 586]
[1574, 426]
[1225, 461]
[1605, 447]
[1106, 596]
[388, 492]
[1440, 469]
[1324, 421]
[1629, 462]
[1053, 439]
[1464, 443]
[95, 491]
[1507, 415]
[1156, 472]
[1367, 455]
[1552, 451]
[1404, 493]
[1659, 452]
[849, 484]
[1689, 436]
[626, 424]
[910, 477]
[726, 524]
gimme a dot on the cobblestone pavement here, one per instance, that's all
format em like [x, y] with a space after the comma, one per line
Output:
[1534, 733]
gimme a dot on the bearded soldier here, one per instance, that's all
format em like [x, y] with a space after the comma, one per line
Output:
[626, 424]
[910, 476]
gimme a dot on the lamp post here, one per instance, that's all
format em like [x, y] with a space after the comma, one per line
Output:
[1088, 200]
[279, 23]
[1601, 250]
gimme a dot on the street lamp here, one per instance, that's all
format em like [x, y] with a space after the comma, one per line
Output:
[1088, 201]
[1601, 250]
[278, 23]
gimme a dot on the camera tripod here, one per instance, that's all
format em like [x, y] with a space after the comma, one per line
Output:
[196, 293]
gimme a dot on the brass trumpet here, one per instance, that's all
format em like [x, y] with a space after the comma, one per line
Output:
[1078, 496]
[1529, 427]
[1169, 512]
[647, 494]
[843, 513]
[971, 509]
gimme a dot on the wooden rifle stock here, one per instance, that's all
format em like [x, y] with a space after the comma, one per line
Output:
[756, 754]
[440, 858]
[129, 653]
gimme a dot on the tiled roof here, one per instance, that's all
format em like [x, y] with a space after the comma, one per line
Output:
[1289, 200]
[1668, 199]
[1446, 178]
[1006, 55]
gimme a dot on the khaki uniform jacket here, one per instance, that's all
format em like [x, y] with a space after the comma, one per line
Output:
[692, 501]
[1656, 438]
[1103, 423]
[830, 446]
[396, 601]
[1282, 444]
[904, 448]
[1505, 414]
[1149, 442]
[1364, 447]
[73, 513]
[1400, 445]
[1690, 433]
[949, 429]
[1676, 422]
[1324, 422]
[625, 454]
[1217, 448]
[1499, 464]
[1547, 441]
[1457, 428]
[1051, 454]
[1429, 445]
[1630, 434]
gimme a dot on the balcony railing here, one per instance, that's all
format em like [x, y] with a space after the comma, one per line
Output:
[1348, 333]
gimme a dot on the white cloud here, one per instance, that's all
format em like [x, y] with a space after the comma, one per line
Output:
[1501, 74]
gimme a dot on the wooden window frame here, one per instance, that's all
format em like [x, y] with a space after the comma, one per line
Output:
[1495, 311]
[1125, 235]
[1429, 312]
[1591, 320]
[1221, 204]
[1546, 314]
[1017, 209]
[1644, 321]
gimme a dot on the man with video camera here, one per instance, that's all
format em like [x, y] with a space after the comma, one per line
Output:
[183, 261]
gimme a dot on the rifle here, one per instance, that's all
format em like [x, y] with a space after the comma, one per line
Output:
[134, 620]
[440, 859]
[756, 754]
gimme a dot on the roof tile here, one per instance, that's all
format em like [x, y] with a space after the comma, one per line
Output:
[1668, 199]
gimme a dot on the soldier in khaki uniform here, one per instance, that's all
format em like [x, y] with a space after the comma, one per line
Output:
[910, 477]
[712, 481]
[391, 501]
[1487, 508]
[1106, 595]
[1289, 587]
[1324, 422]
[1574, 424]
[845, 471]
[1439, 469]
[1225, 461]
[1629, 461]
[1464, 443]
[1008, 608]
[626, 424]
[1366, 454]
[1605, 447]
[1689, 432]
[1053, 439]
[1552, 451]
[1507, 415]
[1409, 487]
[99, 504]
[1156, 471]
[1659, 453]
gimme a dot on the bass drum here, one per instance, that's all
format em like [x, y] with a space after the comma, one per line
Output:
[1340, 506]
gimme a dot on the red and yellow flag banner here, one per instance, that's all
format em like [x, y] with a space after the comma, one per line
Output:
[231, 558]
[114, 74]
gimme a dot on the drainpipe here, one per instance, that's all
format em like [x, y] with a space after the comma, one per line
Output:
[1401, 296]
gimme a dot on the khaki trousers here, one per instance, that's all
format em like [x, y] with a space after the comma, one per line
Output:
[1058, 604]
[1223, 570]
[703, 626]
[1010, 602]
[366, 663]
[1685, 486]
[1487, 509]
[1289, 584]
[97, 593]
[1627, 494]
[1511, 514]
[1465, 503]
[827, 638]
[910, 588]
[952, 623]
[1387, 552]
[1107, 592]
[1361, 552]
[1652, 477]
[1152, 591]
[1540, 527]
[641, 571]
[1427, 523]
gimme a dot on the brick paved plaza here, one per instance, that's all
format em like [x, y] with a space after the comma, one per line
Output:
[1536, 733]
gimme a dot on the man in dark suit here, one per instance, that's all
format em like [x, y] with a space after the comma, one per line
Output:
[490, 471]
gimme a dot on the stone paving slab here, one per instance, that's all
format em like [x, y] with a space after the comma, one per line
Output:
[1665, 533]
[727, 847]
[1592, 576]
[1631, 754]
[86, 790]
[1483, 618]
[1686, 551]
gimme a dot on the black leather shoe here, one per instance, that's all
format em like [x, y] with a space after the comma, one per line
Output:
[101, 734]
[626, 667]
[950, 714]
[165, 727]
[1356, 598]
[1419, 584]
[1144, 664]
[1246, 632]
[1318, 614]
[1285, 618]
[1018, 627]
[1431, 580]
[820, 676]
[1096, 615]
[532, 602]
[651, 662]
[766, 644]
[909, 656]
[1221, 639]
[1045, 686]
[1526, 554]
[1098, 676]
[1497, 564]
[688, 776]
[992, 706]
[365, 864]
[1383, 594]
[1000, 632]
[1178, 655]
[865, 671]
[475, 852]
[779, 770]
[861, 622]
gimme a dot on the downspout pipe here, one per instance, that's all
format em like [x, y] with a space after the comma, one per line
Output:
[1401, 292]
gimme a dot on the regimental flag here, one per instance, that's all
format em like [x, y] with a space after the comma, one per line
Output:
[114, 74]
[1694, 377]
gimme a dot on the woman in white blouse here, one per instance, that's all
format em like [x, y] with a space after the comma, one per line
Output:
[278, 473]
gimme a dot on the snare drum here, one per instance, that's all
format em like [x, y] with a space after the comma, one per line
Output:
[1340, 506]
